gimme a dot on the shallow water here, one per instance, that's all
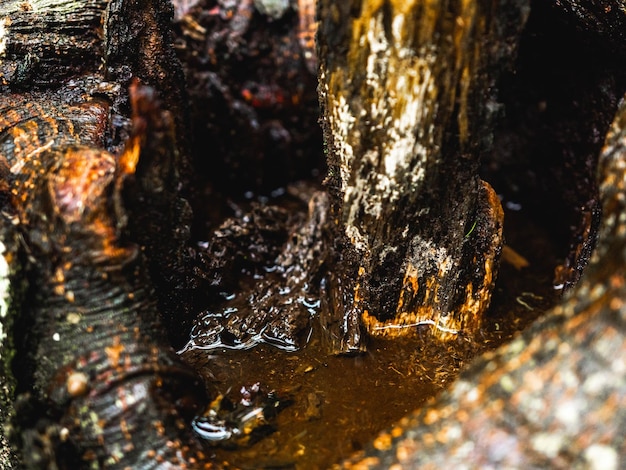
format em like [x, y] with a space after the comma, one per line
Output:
[337, 403]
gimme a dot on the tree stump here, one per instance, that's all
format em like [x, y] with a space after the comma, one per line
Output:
[97, 382]
[554, 396]
[405, 89]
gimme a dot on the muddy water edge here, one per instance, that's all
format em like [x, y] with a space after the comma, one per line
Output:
[340, 403]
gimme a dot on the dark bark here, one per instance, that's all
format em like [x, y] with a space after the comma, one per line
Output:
[43, 45]
[96, 379]
[556, 395]
[405, 91]
[97, 382]
[138, 44]
[557, 105]
[11, 297]
[270, 265]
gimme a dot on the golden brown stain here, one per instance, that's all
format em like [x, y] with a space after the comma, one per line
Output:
[114, 352]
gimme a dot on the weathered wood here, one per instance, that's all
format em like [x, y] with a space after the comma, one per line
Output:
[89, 280]
[11, 298]
[557, 104]
[97, 382]
[405, 90]
[255, 112]
[270, 263]
[556, 395]
[45, 41]
[138, 44]
[92, 349]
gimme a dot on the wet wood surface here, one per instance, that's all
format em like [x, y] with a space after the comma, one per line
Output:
[555, 396]
[398, 84]
[96, 381]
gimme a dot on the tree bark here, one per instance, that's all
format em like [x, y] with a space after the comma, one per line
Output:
[138, 45]
[553, 397]
[97, 382]
[92, 221]
[405, 89]
[46, 42]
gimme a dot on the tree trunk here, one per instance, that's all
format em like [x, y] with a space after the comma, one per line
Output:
[138, 45]
[97, 381]
[553, 397]
[405, 89]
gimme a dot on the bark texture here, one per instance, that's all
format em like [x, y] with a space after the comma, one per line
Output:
[558, 104]
[45, 41]
[555, 396]
[92, 220]
[98, 385]
[138, 45]
[271, 263]
[91, 345]
[399, 82]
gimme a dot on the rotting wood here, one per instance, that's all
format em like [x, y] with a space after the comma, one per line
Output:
[97, 382]
[554, 396]
[45, 41]
[89, 308]
[404, 88]
[138, 44]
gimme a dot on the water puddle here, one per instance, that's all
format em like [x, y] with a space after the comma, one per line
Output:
[314, 409]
